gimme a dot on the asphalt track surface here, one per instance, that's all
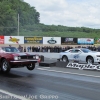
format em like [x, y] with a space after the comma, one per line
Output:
[50, 83]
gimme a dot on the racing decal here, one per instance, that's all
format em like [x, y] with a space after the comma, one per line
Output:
[83, 66]
[76, 56]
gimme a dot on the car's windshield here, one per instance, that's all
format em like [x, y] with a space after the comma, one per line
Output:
[86, 50]
[10, 49]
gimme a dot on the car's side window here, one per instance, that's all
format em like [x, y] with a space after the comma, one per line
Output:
[77, 51]
[70, 51]
[8, 50]
[74, 51]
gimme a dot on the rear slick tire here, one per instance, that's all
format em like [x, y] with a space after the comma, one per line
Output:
[5, 66]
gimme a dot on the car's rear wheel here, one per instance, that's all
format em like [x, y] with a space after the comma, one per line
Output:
[5, 66]
[65, 59]
[31, 66]
[90, 60]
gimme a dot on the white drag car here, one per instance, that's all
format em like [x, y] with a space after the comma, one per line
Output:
[80, 54]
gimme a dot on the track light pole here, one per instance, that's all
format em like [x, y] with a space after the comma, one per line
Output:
[18, 25]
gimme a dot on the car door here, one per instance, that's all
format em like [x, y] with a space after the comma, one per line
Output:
[70, 54]
[76, 54]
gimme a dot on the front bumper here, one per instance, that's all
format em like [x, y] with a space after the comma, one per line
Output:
[97, 59]
[24, 61]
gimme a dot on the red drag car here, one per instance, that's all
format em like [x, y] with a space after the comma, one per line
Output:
[11, 57]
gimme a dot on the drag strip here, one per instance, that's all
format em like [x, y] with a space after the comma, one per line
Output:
[47, 69]
[41, 84]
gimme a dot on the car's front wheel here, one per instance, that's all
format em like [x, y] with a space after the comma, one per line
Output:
[5, 66]
[31, 66]
[90, 60]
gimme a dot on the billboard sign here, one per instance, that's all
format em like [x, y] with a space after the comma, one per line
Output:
[14, 40]
[33, 40]
[86, 41]
[97, 40]
[68, 41]
[1, 39]
[51, 40]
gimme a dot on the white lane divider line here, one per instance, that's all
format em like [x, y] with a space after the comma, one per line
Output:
[44, 67]
[13, 96]
[69, 73]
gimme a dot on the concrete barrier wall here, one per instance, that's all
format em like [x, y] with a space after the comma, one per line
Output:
[48, 55]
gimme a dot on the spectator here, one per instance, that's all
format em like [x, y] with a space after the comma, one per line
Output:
[9, 45]
[20, 48]
[24, 49]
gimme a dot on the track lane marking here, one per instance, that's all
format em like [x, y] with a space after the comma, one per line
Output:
[68, 73]
[46, 67]
[12, 96]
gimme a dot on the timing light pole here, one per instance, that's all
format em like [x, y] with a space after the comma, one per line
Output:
[18, 25]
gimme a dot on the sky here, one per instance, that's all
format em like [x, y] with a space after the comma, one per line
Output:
[72, 13]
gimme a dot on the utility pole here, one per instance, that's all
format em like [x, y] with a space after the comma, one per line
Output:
[18, 25]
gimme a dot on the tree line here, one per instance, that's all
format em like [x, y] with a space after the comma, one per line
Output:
[9, 10]
[29, 20]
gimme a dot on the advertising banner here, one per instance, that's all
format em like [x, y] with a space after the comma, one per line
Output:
[68, 41]
[52, 40]
[14, 40]
[86, 41]
[97, 40]
[83, 66]
[33, 40]
[1, 39]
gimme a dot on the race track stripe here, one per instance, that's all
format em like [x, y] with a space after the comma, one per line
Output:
[45, 67]
[68, 73]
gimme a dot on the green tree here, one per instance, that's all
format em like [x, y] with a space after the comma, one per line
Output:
[9, 10]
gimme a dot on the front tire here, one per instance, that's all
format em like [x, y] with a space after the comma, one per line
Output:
[90, 60]
[31, 66]
[5, 66]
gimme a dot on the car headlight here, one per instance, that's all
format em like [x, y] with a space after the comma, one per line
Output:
[37, 57]
[34, 57]
[16, 58]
